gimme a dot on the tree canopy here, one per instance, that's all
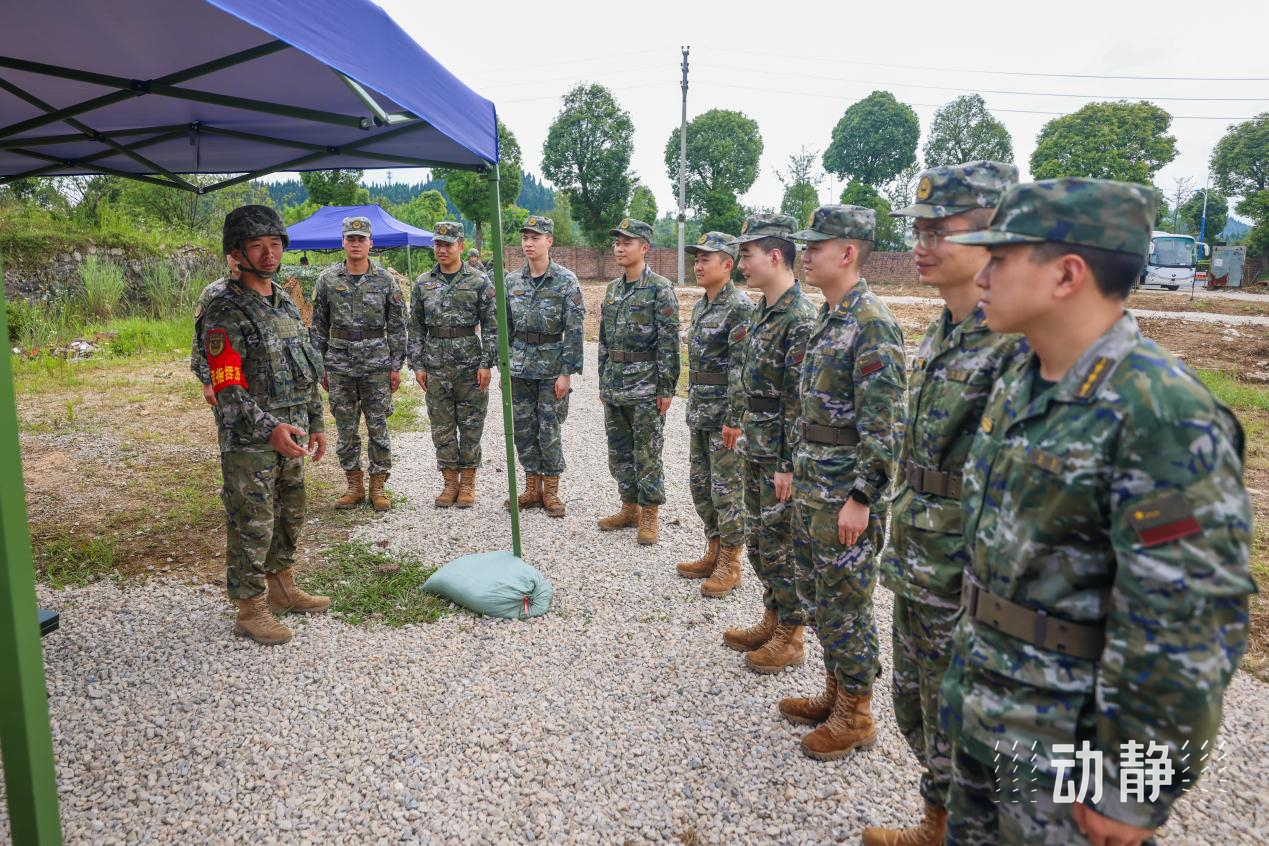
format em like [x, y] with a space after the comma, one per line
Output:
[335, 187]
[469, 190]
[888, 235]
[1115, 140]
[874, 140]
[965, 131]
[643, 204]
[801, 185]
[723, 149]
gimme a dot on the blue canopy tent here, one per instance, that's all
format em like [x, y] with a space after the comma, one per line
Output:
[155, 90]
[324, 230]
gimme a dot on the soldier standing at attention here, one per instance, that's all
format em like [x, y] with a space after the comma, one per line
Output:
[1108, 531]
[546, 317]
[720, 322]
[638, 371]
[765, 407]
[451, 363]
[264, 373]
[359, 328]
[197, 355]
[955, 366]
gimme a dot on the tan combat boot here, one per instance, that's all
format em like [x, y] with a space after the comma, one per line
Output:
[726, 573]
[626, 518]
[379, 499]
[285, 595]
[551, 496]
[812, 710]
[531, 496]
[745, 640]
[649, 525]
[450, 492]
[703, 566]
[929, 832]
[849, 727]
[466, 488]
[783, 650]
[356, 490]
[255, 621]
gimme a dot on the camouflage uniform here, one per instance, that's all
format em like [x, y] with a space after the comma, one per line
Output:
[955, 367]
[359, 328]
[851, 390]
[715, 342]
[444, 313]
[766, 407]
[197, 355]
[545, 319]
[638, 319]
[1113, 501]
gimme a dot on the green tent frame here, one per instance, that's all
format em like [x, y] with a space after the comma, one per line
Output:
[25, 736]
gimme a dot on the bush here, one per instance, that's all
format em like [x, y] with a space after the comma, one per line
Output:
[103, 287]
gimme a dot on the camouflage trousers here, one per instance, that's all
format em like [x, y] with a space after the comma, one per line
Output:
[539, 417]
[768, 525]
[635, 439]
[717, 492]
[922, 647]
[456, 415]
[354, 397]
[263, 494]
[835, 584]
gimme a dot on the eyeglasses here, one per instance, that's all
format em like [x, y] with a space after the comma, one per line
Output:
[929, 238]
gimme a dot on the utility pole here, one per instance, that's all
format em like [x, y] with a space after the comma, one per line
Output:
[683, 169]
[1203, 224]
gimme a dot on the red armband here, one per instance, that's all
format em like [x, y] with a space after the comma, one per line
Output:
[223, 361]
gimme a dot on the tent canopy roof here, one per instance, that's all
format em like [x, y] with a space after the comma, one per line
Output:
[324, 229]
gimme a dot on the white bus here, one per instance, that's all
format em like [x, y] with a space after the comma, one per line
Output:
[1172, 260]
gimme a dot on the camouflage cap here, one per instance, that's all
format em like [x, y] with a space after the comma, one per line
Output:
[448, 231]
[1097, 213]
[839, 221]
[715, 242]
[251, 222]
[538, 223]
[357, 226]
[766, 225]
[632, 228]
[952, 189]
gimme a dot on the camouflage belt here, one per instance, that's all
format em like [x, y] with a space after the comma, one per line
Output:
[540, 337]
[450, 331]
[762, 403]
[934, 482]
[836, 435]
[356, 334]
[1037, 628]
[630, 356]
[699, 377]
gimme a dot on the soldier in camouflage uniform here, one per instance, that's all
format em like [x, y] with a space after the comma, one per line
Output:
[265, 375]
[852, 387]
[1108, 529]
[546, 318]
[638, 371]
[956, 364]
[197, 356]
[359, 328]
[765, 407]
[720, 323]
[451, 363]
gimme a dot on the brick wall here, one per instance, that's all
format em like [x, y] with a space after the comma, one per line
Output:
[592, 263]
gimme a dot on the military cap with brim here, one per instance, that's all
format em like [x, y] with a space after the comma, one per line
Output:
[632, 228]
[357, 226]
[538, 223]
[766, 225]
[448, 231]
[953, 189]
[837, 220]
[714, 242]
[1115, 216]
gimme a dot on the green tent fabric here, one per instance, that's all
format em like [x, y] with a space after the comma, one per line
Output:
[496, 584]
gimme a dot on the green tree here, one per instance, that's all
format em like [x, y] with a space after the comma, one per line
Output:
[469, 190]
[721, 212]
[723, 148]
[1191, 215]
[801, 185]
[1240, 160]
[424, 211]
[335, 187]
[566, 232]
[888, 236]
[1116, 140]
[965, 131]
[202, 215]
[643, 204]
[587, 154]
[875, 139]
[292, 215]
[513, 218]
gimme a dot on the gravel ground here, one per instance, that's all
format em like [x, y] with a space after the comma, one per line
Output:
[617, 718]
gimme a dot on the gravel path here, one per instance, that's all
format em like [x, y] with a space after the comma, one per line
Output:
[617, 718]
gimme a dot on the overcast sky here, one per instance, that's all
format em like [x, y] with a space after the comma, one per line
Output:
[795, 69]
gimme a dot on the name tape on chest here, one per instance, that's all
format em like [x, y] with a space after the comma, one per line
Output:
[1164, 519]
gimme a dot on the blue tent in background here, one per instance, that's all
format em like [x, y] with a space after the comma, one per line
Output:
[323, 230]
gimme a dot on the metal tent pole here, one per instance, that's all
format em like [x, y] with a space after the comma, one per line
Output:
[504, 354]
[25, 737]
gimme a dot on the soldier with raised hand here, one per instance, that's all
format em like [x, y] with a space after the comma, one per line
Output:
[1108, 529]
[720, 323]
[765, 407]
[359, 328]
[451, 362]
[265, 374]
[546, 319]
[958, 360]
[638, 372]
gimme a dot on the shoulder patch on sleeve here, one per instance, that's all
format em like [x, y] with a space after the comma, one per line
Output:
[1095, 376]
[1164, 519]
[870, 363]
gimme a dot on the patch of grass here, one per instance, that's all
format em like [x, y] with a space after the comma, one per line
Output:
[69, 561]
[368, 585]
[407, 412]
[1238, 395]
[103, 287]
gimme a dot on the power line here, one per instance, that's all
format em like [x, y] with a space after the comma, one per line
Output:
[614, 88]
[606, 58]
[571, 77]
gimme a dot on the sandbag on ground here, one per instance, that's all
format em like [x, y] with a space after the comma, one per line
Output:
[496, 584]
